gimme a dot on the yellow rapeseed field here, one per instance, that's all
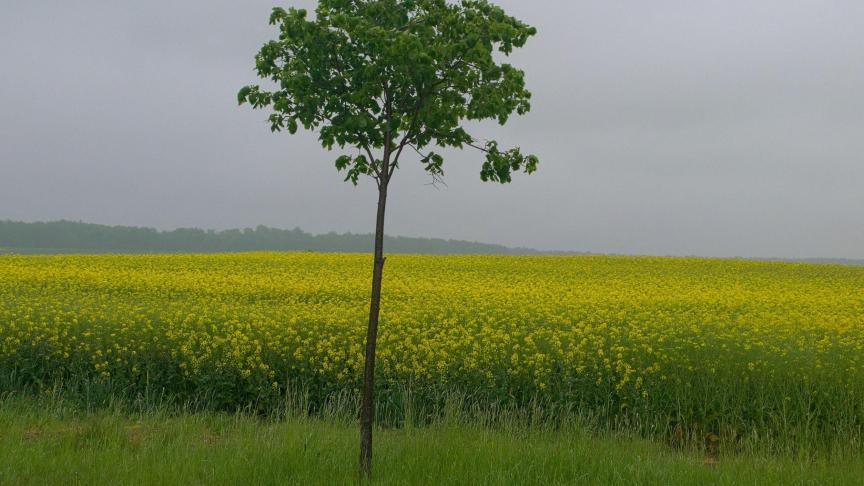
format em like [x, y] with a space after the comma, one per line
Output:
[696, 340]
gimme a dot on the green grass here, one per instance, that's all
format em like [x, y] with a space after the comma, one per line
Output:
[53, 442]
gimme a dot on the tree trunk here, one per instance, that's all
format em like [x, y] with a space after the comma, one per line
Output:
[367, 410]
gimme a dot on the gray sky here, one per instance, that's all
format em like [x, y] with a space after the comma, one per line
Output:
[724, 128]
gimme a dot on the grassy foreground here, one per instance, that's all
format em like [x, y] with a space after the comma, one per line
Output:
[52, 443]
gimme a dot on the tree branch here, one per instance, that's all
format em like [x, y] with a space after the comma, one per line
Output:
[482, 149]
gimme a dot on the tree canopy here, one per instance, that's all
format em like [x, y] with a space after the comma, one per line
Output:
[382, 76]
[70, 236]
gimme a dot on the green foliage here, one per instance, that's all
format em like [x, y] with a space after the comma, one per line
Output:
[75, 237]
[55, 442]
[382, 75]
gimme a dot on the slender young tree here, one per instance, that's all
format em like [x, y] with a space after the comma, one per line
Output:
[379, 79]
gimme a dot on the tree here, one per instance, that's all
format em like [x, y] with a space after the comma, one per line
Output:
[385, 78]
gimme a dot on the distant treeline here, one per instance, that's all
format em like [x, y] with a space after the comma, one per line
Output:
[70, 236]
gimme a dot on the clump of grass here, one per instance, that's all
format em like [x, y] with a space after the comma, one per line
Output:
[402, 408]
[51, 441]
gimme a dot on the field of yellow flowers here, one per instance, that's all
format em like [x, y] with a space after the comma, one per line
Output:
[666, 345]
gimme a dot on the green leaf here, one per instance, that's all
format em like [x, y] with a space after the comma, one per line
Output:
[243, 94]
[394, 73]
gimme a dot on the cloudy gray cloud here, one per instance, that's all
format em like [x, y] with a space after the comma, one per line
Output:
[666, 127]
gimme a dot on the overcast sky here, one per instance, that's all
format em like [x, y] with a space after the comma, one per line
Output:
[719, 128]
